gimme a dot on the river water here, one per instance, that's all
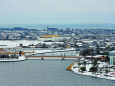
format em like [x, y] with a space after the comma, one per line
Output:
[45, 73]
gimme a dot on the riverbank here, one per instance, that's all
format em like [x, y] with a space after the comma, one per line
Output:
[93, 75]
[102, 74]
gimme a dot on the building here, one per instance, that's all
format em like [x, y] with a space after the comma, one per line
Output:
[112, 57]
[52, 38]
[98, 57]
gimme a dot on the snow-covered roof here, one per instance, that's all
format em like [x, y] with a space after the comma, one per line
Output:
[79, 43]
[96, 56]
[112, 52]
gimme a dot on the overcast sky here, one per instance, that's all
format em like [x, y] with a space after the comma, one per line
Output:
[56, 11]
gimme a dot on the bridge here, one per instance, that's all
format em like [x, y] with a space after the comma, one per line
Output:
[33, 55]
[50, 57]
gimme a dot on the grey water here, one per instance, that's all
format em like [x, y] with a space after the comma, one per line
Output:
[45, 73]
[61, 26]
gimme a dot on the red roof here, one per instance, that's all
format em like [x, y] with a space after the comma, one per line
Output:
[112, 74]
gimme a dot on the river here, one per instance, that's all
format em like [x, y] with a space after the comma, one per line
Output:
[45, 73]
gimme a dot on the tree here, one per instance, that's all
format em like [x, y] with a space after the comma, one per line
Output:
[84, 63]
[79, 63]
[20, 53]
[83, 69]
[97, 49]
[97, 52]
[93, 69]
[44, 46]
[94, 63]
[106, 71]
[113, 63]
[108, 48]
[107, 59]
[86, 52]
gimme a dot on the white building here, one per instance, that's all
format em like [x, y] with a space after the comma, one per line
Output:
[112, 57]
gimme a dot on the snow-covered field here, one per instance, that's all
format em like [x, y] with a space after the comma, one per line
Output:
[14, 43]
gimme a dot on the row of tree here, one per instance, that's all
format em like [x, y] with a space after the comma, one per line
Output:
[92, 52]
[93, 69]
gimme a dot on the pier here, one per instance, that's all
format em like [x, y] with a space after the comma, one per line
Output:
[69, 67]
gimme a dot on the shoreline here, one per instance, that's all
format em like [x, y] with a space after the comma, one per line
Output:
[96, 76]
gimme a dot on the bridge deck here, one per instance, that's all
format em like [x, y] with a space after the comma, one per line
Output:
[49, 57]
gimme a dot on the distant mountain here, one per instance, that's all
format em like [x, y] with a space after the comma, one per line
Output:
[17, 29]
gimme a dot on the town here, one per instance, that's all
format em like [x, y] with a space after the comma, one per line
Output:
[93, 46]
[57, 42]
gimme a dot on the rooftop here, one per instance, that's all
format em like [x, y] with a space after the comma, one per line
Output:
[112, 52]
[49, 36]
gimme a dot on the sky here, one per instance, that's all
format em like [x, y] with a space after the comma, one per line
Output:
[56, 11]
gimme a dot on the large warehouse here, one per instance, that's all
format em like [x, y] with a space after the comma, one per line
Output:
[52, 38]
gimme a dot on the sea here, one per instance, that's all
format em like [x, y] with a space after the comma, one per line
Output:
[61, 26]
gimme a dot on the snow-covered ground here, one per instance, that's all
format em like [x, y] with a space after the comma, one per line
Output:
[14, 43]
[47, 51]
[103, 75]
[93, 75]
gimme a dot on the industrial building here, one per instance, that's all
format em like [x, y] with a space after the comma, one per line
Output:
[52, 38]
